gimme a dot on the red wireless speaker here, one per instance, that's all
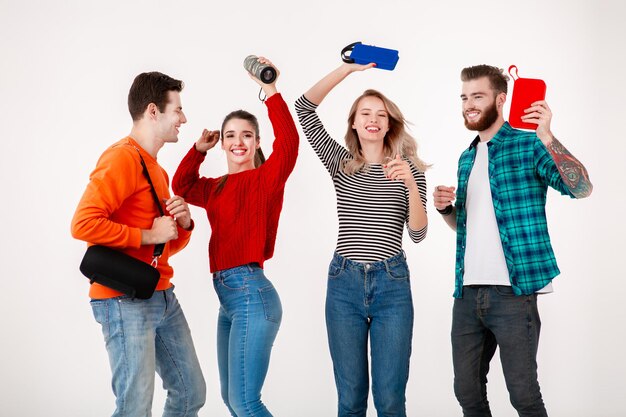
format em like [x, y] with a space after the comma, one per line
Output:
[525, 92]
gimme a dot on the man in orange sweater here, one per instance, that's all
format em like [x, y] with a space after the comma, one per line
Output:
[118, 210]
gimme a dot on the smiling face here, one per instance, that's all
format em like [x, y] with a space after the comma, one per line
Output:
[169, 121]
[481, 104]
[371, 120]
[240, 142]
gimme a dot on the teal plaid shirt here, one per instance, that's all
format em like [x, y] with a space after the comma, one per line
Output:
[520, 171]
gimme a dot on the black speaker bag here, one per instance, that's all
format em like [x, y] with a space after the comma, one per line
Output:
[119, 271]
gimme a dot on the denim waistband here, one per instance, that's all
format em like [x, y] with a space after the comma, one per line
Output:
[370, 266]
[241, 269]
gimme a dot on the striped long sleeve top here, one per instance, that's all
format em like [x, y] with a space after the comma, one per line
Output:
[372, 209]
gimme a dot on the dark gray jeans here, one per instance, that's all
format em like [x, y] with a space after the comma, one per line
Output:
[488, 316]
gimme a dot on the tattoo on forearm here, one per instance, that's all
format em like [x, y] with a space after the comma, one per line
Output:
[572, 170]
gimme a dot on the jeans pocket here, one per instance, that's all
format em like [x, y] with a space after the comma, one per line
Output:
[100, 310]
[102, 313]
[233, 282]
[334, 270]
[399, 272]
[271, 304]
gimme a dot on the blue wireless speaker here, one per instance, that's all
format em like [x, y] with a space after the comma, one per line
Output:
[364, 54]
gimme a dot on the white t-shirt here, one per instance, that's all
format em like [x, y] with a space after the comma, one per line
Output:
[484, 256]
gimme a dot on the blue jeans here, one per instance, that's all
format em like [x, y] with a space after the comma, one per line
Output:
[370, 300]
[144, 336]
[488, 316]
[248, 321]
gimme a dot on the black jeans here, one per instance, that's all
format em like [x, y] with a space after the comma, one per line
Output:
[487, 317]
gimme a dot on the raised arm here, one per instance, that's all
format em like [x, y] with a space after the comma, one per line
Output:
[572, 172]
[320, 90]
[281, 162]
[327, 149]
[187, 182]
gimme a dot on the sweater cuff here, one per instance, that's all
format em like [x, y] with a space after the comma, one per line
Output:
[198, 154]
[274, 100]
[183, 231]
[417, 235]
[134, 237]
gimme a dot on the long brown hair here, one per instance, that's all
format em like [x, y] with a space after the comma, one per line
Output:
[259, 158]
[397, 139]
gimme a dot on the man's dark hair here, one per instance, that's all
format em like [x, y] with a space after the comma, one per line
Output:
[497, 78]
[150, 87]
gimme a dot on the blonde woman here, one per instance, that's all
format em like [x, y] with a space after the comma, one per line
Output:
[380, 185]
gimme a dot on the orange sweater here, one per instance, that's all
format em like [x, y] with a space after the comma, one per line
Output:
[117, 204]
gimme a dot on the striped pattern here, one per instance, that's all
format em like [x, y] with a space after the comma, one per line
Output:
[520, 171]
[372, 209]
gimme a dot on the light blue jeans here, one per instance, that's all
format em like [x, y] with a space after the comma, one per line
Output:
[144, 336]
[248, 321]
[370, 301]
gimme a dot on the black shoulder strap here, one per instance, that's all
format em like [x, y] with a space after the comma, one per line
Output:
[158, 249]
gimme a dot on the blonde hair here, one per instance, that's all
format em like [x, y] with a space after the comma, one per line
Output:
[397, 139]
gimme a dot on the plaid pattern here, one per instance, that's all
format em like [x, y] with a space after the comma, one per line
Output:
[520, 171]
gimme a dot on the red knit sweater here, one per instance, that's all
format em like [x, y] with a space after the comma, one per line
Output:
[244, 213]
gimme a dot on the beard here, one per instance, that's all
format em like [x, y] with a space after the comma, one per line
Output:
[487, 118]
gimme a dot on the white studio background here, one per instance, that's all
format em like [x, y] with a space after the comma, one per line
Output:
[66, 67]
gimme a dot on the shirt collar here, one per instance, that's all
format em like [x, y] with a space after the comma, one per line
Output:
[500, 135]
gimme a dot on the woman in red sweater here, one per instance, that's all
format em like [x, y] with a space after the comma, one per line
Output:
[243, 208]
